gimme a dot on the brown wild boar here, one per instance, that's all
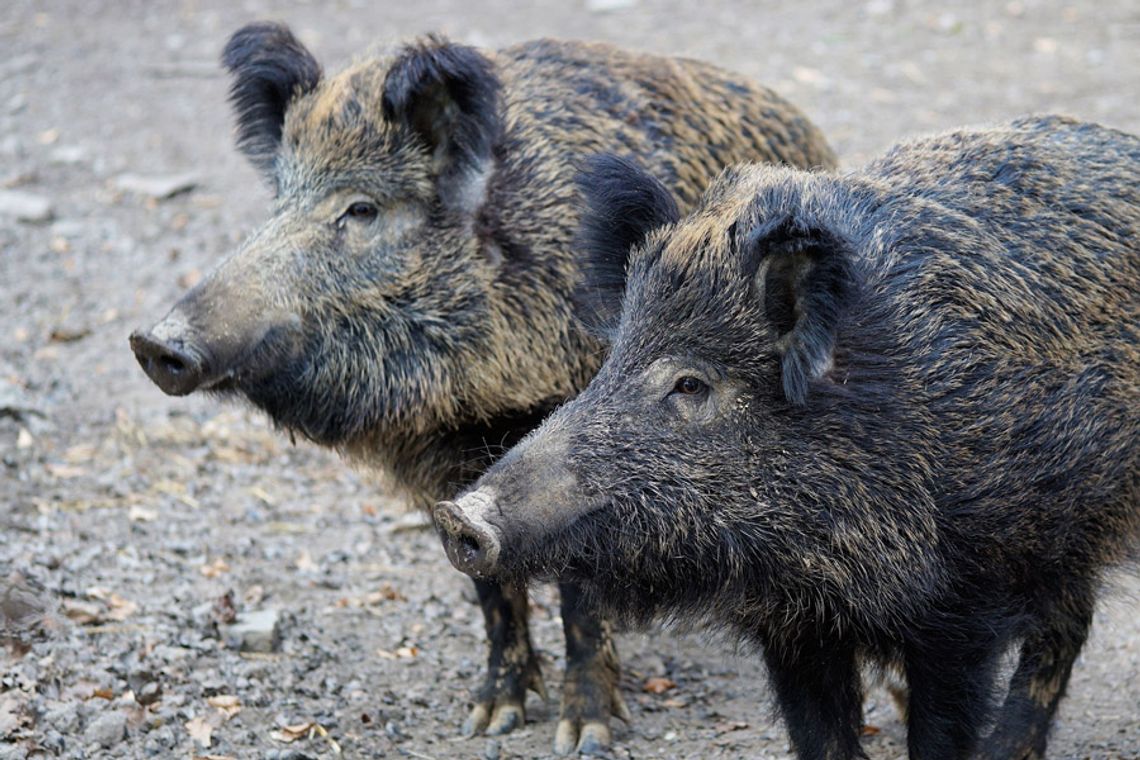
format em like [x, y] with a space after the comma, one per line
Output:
[408, 302]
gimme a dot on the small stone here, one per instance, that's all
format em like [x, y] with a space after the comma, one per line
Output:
[604, 6]
[26, 207]
[493, 749]
[63, 717]
[159, 187]
[68, 155]
[255, 631]
[107, 730]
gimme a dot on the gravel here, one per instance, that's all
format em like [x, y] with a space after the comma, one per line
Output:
[139, 526]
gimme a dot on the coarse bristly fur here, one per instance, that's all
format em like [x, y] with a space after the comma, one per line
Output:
[888, 416]
[409, 300]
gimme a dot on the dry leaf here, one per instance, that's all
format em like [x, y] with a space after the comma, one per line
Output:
[104, 693]
[215, 568]
[729, 725]
[121, 608]
[400, 654]
[294, 732]
[869, 730]
[261, 494]
[229, 704]
[64, 471]
[81, 454]
[201, 731]
[83, 613]
[142, 514]
[386, 592]
[658, 685]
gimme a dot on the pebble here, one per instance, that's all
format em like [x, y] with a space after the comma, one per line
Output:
[493, 749]
[26, 207]
[107, 730]
[604, 6]
[69, 155]
[158, 187]
[63, 718]
[256, 631]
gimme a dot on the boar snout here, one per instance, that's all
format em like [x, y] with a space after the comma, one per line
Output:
[472, 543]
[174, 364]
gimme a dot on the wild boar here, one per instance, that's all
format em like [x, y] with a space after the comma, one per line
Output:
[891, 416]
[409, 300]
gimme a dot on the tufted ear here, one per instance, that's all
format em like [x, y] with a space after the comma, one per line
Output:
[270, 67]
[448, 95]
[622, 205]
[805, 278]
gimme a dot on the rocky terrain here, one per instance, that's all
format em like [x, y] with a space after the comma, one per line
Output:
[177, 579]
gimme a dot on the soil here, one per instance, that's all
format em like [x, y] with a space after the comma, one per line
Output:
[134, 528]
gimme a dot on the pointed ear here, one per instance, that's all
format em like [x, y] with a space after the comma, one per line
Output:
[270, 67]
[806, 280]
[622, 205]
[448, 96]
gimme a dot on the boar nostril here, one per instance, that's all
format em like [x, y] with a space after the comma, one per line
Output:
[172, 364]
[470, 546]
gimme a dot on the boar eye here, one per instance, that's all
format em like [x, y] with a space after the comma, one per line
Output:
[362, 211]
[690, 386]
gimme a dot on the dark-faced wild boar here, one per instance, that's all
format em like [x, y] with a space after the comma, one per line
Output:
[891, 417]
[409, 300]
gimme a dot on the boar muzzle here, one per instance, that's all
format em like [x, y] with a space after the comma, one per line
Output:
[175, 366]
[472, 543]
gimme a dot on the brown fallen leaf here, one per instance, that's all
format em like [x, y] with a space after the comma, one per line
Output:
[215, 568]
[400, 654]
[229, 704]
[121, 608]
[80, 454]
[291, 733]
[869, 730]
[83, 613]
[141, 514]
[64, 471]
[658, 685]
[69, 333]
[225, 609]
[725, 727]
[387, 592]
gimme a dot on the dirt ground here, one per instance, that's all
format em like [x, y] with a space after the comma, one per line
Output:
[133, 525]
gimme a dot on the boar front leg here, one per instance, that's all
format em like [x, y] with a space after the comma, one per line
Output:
[512, 666]
[819, 693]
[590, 690]
[951, 676]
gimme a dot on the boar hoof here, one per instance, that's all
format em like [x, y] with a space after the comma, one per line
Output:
[505, 711]
[492, 720]
[593, 738]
